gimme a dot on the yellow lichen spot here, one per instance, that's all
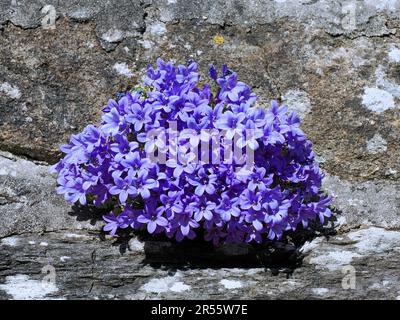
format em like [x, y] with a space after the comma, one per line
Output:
[218, 39]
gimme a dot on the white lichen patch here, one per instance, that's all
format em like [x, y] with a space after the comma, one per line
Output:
[5, 172]
[341, 221]
[136, 246]
[90, 44]
[320, 291]
[231, 284]
[353, 56]
[376, 144]
[64, 258]
[76, 236]
[382, 96]
[394, 54]
[365, 243]
[253, 271]
[385, 84]
[157, 29]
[298, 101]
[375, 240]
[123, 69]
[179, 287]
[240, 271]
[146, 44]
[20, 287]
[80, 14]
[113, 35]
[290, 283]
[19, 168]
[376, 286]
[308, 246]
[386, 283]
[166, 284]
[11, 91]
[333, 260]
[10, 241]
[390, 5]
[377, 100]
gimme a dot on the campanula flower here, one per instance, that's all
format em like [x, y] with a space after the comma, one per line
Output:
[147, 161]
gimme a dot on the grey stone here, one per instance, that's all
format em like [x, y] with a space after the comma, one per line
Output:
[29, 203]
[339, 73]
[365, 203]
[297, 101]
[278, 47]
[86, 267]
[41, 236]
[377, 144]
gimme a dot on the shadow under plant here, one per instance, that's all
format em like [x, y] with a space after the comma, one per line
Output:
[160, 251]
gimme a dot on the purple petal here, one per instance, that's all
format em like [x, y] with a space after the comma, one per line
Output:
[142, 219]
[123, 196]
[257, 225]
[185, 229]
[161, 221]
[200, 190]
[151, 226]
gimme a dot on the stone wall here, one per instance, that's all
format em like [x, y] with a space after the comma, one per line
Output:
[336, 62]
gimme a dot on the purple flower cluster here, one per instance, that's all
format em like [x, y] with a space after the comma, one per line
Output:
[110, 164]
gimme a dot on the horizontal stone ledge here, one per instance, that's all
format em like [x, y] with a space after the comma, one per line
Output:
[204, 254]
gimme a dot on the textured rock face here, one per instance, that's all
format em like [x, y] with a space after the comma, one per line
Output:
[335, 62]
[51, 250]
[27, 263]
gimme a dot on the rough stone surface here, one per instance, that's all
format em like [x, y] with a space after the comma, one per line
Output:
[44, 242]
[28, 202]
[338, 70]
[106, 273]
[343, 76]
[365, 203]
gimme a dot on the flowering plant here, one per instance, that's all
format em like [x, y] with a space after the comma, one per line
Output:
[150, 159]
